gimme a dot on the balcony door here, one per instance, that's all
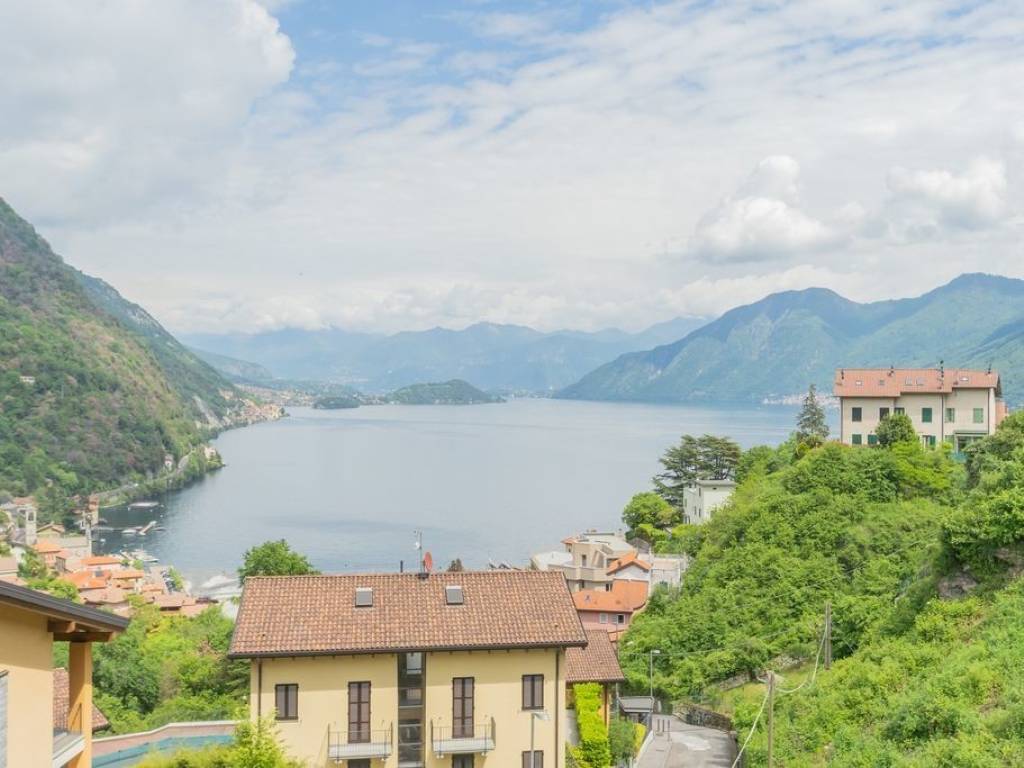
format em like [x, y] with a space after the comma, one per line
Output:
[358, 713]
[462, 707]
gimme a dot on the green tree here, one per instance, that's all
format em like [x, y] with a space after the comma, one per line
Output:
[695, 458]
[895, 428]
[622, 740]
[811, 428]
[455, 566]
[274, 558]
[649, 508]
[32, 566]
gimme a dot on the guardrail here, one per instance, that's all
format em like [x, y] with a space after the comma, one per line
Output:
[362, 743]
[461, 738]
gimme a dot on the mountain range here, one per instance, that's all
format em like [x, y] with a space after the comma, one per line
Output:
[775, 347]
[93, 391]
[491, 356]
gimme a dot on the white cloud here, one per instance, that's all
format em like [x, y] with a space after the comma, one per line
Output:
[762, 220]
[971, 200]
[545, 173]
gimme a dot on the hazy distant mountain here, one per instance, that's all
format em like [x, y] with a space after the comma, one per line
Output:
[778, 345]
[239, 371]
[491, 356]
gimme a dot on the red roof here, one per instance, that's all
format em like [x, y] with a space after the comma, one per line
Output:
[90, 562]
[61, 703]
[624, 597]
[597, 663]
[627, 560]
[893, 382]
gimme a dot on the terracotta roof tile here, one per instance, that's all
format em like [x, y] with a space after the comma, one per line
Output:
[95, 560]
[627, 560]
[892, 382]
[597, 663]
[293, 615]
[61, 703]
[46, 547]
[625, 596]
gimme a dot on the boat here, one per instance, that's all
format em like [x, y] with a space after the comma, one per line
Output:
[129, 531]
[143, 504]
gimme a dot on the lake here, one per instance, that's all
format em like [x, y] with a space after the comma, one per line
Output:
[483, 483]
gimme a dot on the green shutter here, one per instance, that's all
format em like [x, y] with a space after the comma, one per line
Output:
[872, 439]
[855, 439]
[979, 415]
[926, 415]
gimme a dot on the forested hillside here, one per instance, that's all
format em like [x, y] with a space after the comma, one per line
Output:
[93, 391]
[920, 557]
[777, 346]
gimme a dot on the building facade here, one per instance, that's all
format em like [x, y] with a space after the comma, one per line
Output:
[702, 498]
[30, 622]
[386, 670]
[957, 406]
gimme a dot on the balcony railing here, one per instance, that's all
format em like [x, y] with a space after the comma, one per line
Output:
[462, 738]
[360, 744]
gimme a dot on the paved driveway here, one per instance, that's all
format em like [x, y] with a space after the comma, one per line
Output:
[678, 745]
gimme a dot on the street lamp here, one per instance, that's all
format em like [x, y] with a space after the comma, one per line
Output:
[654, 652]
[534, 717]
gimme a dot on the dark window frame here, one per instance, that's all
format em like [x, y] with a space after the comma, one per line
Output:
[290, 711]
[856, 413]
[926, 415]
[463, 707]
[533, 692]
[883, 412]
[462, 761]
[359, 725]
[538, 763]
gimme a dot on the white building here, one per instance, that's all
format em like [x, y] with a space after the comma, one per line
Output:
[953, 405]
[702, 498]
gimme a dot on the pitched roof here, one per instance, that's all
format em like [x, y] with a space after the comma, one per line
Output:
[893, 382]
[625, 596]
[597, 663]
[84, 618]
[47, 546]
[316, 615]
[90, 562]
[627, 560]
[86, 579]
[62, 703]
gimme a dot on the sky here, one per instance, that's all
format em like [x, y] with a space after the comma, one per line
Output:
[235, 165]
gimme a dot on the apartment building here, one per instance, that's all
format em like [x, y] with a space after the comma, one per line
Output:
[702, 498]
[34, 731]
[459, 670]
[955, 404]
[586, 559]
[611, 609]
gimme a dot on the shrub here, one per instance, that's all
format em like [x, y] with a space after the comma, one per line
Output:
[593, 750]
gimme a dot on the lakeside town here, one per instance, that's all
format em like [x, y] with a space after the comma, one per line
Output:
[530, 658]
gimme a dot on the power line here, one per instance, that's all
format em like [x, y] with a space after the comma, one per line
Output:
[753, 726]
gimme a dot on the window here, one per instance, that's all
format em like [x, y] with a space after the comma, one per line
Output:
[899, 409]
[929, 440]
[603, 618]
[462, 707]
[855, 439]
[533, 691]
[620, 618]
[855, 414]
[872, 439]
[358, 764]
[462, 761]
[926, 415]
[286, 701]
[882, 413]
[979, 415]
[583, 560]
[358, 713]
[538, 759]
[950, 415]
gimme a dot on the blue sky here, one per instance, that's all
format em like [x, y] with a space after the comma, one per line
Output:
[256, 164]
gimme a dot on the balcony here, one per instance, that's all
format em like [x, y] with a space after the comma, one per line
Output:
[363, 744]
[462, 739]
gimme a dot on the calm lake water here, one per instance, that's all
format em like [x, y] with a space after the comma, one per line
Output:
[488, 482]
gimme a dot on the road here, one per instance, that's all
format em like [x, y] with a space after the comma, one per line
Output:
[678, 745]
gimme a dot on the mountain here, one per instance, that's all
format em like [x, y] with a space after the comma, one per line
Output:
[93, 391]
[454, 392]
[239, 371]
[492, 356]
[777, 346]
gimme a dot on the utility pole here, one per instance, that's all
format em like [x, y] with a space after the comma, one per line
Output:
[828, 634]
[771, 719]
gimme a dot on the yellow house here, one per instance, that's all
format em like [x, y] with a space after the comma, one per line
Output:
[955, 405]
[460, 670]
[30, 622]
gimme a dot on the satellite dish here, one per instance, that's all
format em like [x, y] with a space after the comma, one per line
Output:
[428, 562]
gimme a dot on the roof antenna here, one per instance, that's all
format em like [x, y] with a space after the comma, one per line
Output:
[942, 369]
[892, 369]
[989, 366]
